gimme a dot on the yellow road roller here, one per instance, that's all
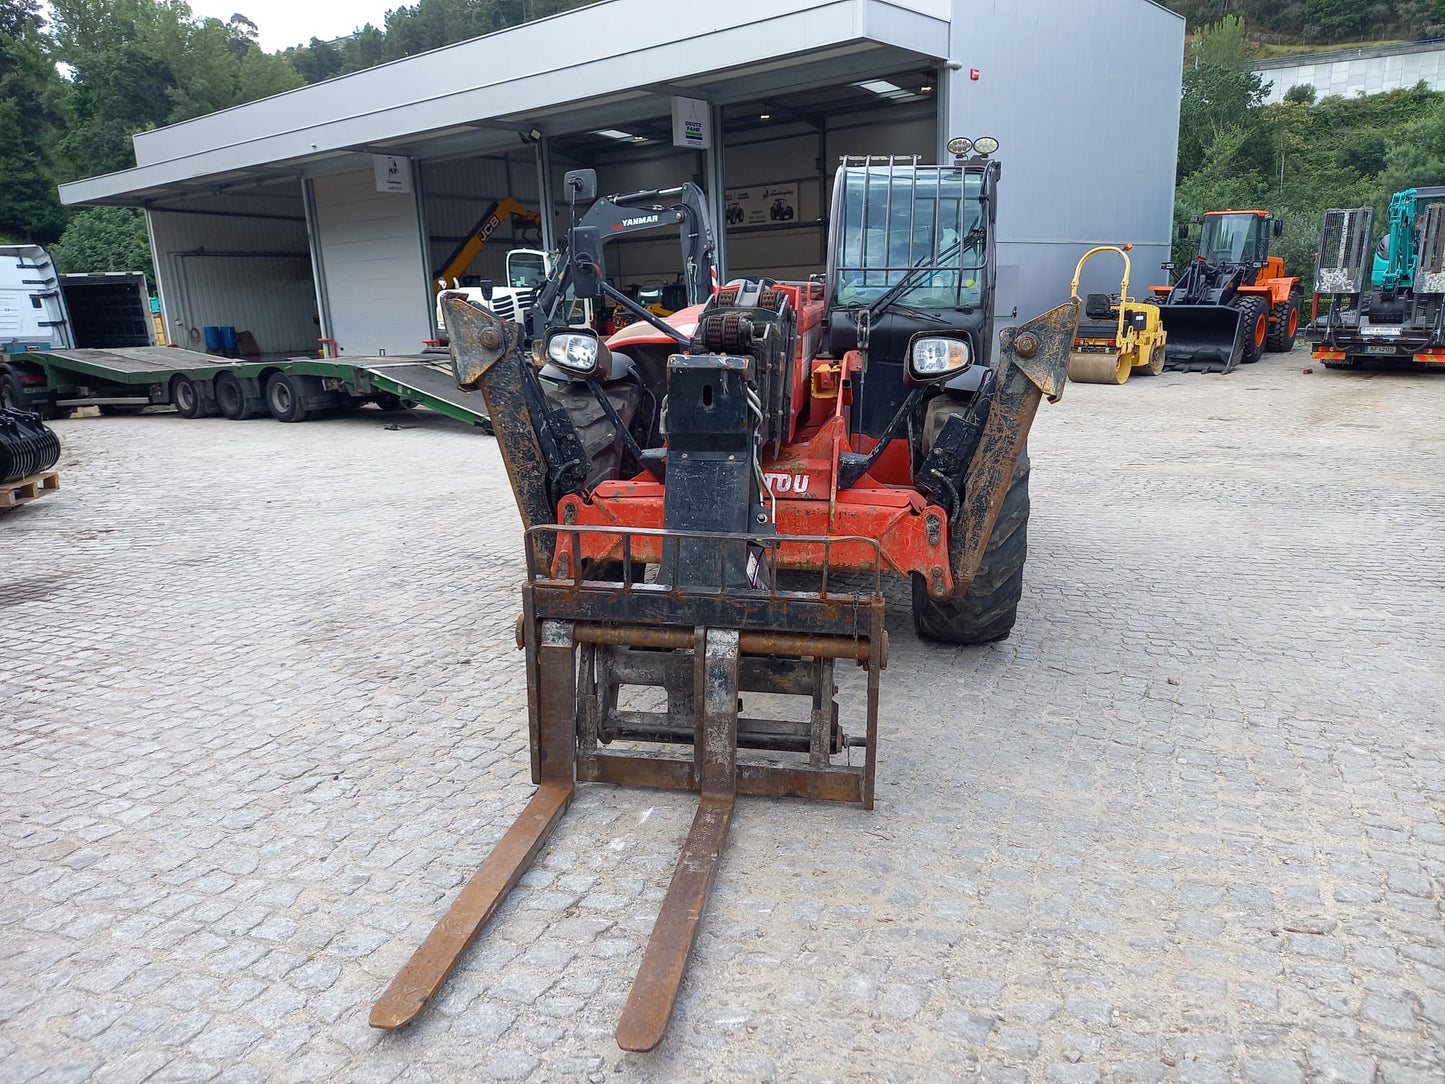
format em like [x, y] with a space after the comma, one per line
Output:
[1117, 334]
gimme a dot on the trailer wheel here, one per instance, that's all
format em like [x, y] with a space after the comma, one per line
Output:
[989, 608]
[386, 400]
[11, 395]
[284, 399]
[231, 397]
[186, 397]
[1286, 324]
[1254, 315]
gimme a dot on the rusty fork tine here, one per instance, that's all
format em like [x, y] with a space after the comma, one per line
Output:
[433, 961]
[654, 991]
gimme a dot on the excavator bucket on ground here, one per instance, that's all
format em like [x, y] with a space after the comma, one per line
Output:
[1202, 338]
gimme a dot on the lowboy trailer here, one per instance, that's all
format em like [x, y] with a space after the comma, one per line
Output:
[72, 341]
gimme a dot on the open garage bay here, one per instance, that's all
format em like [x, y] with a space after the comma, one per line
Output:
[262, 716]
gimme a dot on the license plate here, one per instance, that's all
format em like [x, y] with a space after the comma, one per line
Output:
[1381, 350]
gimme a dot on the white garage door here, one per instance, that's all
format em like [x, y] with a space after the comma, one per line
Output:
[371, 254]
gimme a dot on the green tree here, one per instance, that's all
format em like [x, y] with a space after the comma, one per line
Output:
[1217, 99]
[105, 239]
[140, 64]
[1224, 44]
[30, 123]
[1416, 156]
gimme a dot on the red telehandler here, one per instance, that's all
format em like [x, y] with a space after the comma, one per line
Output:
[769, 455]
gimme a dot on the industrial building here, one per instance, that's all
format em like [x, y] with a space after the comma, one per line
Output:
[321, 214]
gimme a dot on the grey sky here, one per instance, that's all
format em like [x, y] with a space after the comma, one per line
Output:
[283, 23]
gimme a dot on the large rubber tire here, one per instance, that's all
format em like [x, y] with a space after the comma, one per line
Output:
[1155, 365]
[1286, 324]
[186, 397]
[11, 395]
[1254, 315]
[284, 399]
[989, 608]
[599, 437]
[231, 397]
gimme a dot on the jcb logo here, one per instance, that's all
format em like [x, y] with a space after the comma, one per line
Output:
[787, 483]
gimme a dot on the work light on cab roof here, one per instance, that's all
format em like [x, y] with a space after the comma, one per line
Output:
[983, 146]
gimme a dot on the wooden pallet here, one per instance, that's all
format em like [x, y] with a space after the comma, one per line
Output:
[27, 489]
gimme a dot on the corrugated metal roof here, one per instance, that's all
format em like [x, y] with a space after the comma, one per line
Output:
[566, 74]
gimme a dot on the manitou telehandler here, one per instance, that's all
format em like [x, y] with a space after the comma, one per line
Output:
[788, 443]
[1233, 301]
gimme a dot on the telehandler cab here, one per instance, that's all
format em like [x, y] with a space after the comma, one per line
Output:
[807, 437]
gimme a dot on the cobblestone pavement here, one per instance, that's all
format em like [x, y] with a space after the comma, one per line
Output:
[262, 716]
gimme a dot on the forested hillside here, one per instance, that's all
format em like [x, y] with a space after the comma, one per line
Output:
[1299, 156]
[77, 80]
[1323, 22]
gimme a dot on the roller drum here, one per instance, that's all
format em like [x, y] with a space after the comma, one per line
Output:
[1098, 368]
[27, 445]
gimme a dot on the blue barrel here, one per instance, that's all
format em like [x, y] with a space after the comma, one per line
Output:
[228, 338]
[213, 338]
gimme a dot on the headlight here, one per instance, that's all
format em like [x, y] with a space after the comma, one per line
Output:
[932, 358]
[959, 146]
[574, 351]
[985, 145]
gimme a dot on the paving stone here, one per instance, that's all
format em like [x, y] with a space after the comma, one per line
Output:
[1272, 1071]
[1186, 812]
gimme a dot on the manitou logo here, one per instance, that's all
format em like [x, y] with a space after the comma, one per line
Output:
[796, 484]
[642, 220]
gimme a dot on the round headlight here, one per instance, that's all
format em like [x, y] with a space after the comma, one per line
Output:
[985, 145]
[933, 358]
[959, 145]
[573, 351]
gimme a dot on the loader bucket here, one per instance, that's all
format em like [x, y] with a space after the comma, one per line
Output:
[1202, 338]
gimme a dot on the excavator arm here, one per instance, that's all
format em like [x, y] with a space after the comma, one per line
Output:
[610, 217]
[500, 212]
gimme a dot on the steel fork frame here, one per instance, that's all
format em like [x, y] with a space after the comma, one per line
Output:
[552, 648]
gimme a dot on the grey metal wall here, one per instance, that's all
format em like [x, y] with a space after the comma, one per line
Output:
[1083, 95]
[779, 154]
[250, 272]
[371, 255]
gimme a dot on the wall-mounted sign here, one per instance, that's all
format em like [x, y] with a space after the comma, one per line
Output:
[393, 172]
[761, 205]
[691, 123]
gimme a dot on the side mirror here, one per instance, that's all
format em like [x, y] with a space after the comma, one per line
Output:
[1183, 233]
[1194, 220]
[1278, 228]
[589, 270]
[581, 185]
[486, 287]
